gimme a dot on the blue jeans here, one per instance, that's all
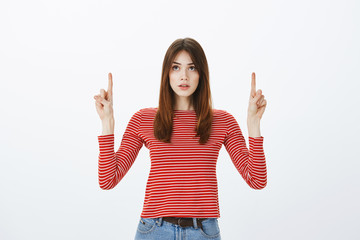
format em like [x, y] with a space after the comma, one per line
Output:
[157, 229]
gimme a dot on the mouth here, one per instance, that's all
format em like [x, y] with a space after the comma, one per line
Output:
[184, 86]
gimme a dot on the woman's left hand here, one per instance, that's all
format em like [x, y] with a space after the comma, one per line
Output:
[257, 103]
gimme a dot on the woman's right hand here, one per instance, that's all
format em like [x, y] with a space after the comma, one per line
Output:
[104, 101]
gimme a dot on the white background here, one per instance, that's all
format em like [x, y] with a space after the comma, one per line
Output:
[55, 56]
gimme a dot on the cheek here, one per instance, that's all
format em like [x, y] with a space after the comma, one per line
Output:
[195, 75]
[172, 76]
[196, 78]
[172, 80]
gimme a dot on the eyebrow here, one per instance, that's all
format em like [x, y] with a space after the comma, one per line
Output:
[180, 63]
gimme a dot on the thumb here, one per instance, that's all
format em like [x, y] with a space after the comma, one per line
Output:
[257, 95]
[101, 100]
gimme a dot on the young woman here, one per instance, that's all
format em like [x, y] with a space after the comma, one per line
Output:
[184, 135]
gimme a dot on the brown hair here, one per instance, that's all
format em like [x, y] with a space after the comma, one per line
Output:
[201, 98]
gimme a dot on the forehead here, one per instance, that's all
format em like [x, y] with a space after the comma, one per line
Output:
[183, 56]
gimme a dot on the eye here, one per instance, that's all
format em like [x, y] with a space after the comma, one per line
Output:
[175, 67]
[193, 67]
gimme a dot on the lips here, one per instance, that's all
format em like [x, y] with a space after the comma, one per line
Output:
[184, 88]
[185, 85]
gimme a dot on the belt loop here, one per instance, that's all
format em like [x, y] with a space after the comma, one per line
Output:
[159, 221]
[195, 223]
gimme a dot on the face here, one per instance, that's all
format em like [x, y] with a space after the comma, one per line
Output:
[183, 72]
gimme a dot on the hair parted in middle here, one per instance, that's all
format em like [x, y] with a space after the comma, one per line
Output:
[201, 98]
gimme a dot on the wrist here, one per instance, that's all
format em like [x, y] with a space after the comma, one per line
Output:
[253, 121]
[108, 126]
[253, 127]
[108, 120]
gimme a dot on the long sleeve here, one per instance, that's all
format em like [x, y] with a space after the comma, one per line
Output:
[251, 163]
[114, 166]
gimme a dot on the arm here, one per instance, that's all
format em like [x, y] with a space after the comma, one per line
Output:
[114, 166]
[251, 163]
[253, 127]
[108, 126]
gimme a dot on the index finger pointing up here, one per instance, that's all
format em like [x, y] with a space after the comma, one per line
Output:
[110, 84]
[253, 85]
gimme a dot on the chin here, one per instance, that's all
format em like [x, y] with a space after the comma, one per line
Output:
[185, 95]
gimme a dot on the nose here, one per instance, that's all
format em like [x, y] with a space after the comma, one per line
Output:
[184, 75]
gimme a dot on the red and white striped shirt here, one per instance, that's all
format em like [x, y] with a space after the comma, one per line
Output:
[182, 180]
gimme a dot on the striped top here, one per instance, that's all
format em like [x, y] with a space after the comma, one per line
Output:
[182, 180]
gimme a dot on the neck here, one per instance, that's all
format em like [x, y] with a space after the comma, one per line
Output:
[184, 104]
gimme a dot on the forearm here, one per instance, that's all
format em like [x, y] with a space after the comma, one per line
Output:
[253, 127]
[108, 126]
[257, 164]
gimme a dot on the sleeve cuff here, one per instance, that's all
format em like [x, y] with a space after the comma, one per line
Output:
[256, 139]
[261, 137]
[106, 141]
[107, 136]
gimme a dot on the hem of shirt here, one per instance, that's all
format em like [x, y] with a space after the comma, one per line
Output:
[179, 215]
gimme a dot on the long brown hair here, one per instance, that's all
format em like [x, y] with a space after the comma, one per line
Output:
[201, 98]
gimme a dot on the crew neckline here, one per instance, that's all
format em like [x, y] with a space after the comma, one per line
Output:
[178, 110]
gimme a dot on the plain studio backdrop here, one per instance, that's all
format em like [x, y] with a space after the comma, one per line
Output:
[56, 55]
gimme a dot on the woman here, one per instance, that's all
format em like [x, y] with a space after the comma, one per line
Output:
[184, 135]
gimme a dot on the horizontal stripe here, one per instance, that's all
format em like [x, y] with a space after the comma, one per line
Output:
[182, 179]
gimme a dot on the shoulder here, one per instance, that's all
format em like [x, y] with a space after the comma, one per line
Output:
[225, 117]
[147, 110]
[222, 113]
[145, 113]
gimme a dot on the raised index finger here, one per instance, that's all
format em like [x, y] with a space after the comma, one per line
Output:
[110, 84]
[253, 85]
